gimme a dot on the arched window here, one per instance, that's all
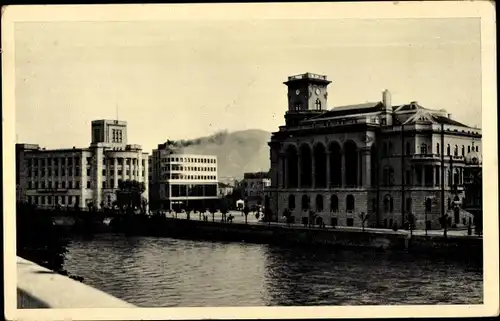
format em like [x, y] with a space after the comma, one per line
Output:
[349, 203]
[438, 149]
[428, 205]
[305, 202]
[449, 203]
[423, 149]
[455, 152]
[448, 150]
[319, 203]
[463, 150]
[390, 148]
[407, 148]
[318, 104]
[477, 148]
[468, 149]
[291, 201]
[334, 203]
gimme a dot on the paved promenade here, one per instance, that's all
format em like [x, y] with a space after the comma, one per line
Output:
[240, 219]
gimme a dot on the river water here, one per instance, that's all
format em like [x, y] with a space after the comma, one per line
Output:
[163, 272]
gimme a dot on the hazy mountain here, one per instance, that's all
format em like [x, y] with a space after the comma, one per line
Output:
[237, 152]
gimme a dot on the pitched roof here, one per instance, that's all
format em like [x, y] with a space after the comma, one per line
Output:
[367, 107]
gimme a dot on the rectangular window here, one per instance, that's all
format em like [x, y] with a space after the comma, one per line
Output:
[50, 184]
[103, 184]
[88, 184]
[350, 222]
[77, 184]
[63, 200]
[77, 200]
[36, 185]
[333, 221]
[56, 185]
[43, 185]
[63, 172]
[56, 172]
[49, 199]
[63, 161]
[43, 200]
[103, 172]
[70, 185]
[70, 171]
[63, 184]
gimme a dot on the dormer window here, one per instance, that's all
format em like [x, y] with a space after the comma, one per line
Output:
[318, 104]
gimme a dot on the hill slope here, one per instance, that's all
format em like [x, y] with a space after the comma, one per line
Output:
[237, 152]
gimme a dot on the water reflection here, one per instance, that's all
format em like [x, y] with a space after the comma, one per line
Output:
[162, 272]
[325, 277]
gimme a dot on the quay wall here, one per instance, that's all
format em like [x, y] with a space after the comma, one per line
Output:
[281, 234]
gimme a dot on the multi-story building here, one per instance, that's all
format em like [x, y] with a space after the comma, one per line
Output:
[182, 180]
[254, 186]
[75, 177]
[473, 184]
[225, 189]
[375, 158]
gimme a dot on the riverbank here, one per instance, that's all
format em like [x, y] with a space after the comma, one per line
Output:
[282, 234]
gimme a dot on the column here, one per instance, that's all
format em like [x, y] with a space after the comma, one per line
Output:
[115, 172]
[299, 165]
[360, 168]
[313, 169]
[281, 171]
[342, 168]
[366, 168]
[327, 169]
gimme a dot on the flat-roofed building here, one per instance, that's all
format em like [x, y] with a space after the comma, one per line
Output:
[180, 180]
[75, 177]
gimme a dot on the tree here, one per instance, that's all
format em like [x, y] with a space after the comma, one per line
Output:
[223, 209]
[444, 222]
[213, 210]
[246, 210]
[287, 214]
[364, 218]
[411, 223]
[90, 206]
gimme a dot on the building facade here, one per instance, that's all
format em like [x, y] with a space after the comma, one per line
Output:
[254, 186]
[182, 180]
[75, 177]
[380, 159]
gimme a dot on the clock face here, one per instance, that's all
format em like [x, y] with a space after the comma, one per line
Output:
[297, 92]
[317, 91]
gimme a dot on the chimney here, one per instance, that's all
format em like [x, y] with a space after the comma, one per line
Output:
[386, 99]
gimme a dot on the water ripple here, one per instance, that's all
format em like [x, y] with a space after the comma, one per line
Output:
[161, 272]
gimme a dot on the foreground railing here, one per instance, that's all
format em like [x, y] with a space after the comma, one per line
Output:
[38, 287]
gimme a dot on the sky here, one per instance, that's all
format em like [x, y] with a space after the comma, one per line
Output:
[186, 79]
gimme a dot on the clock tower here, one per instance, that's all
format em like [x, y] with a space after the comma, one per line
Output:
[307, 97]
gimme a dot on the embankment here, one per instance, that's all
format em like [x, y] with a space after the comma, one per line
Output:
[284, 235]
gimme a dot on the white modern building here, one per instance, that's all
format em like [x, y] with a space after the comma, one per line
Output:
[180, 180]
[79, 176]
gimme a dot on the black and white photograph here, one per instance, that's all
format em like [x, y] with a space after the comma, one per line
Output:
[265, 160]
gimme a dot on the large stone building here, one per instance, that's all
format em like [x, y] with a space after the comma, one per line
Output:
[180, 180]
[376, 158]
[79, 176]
